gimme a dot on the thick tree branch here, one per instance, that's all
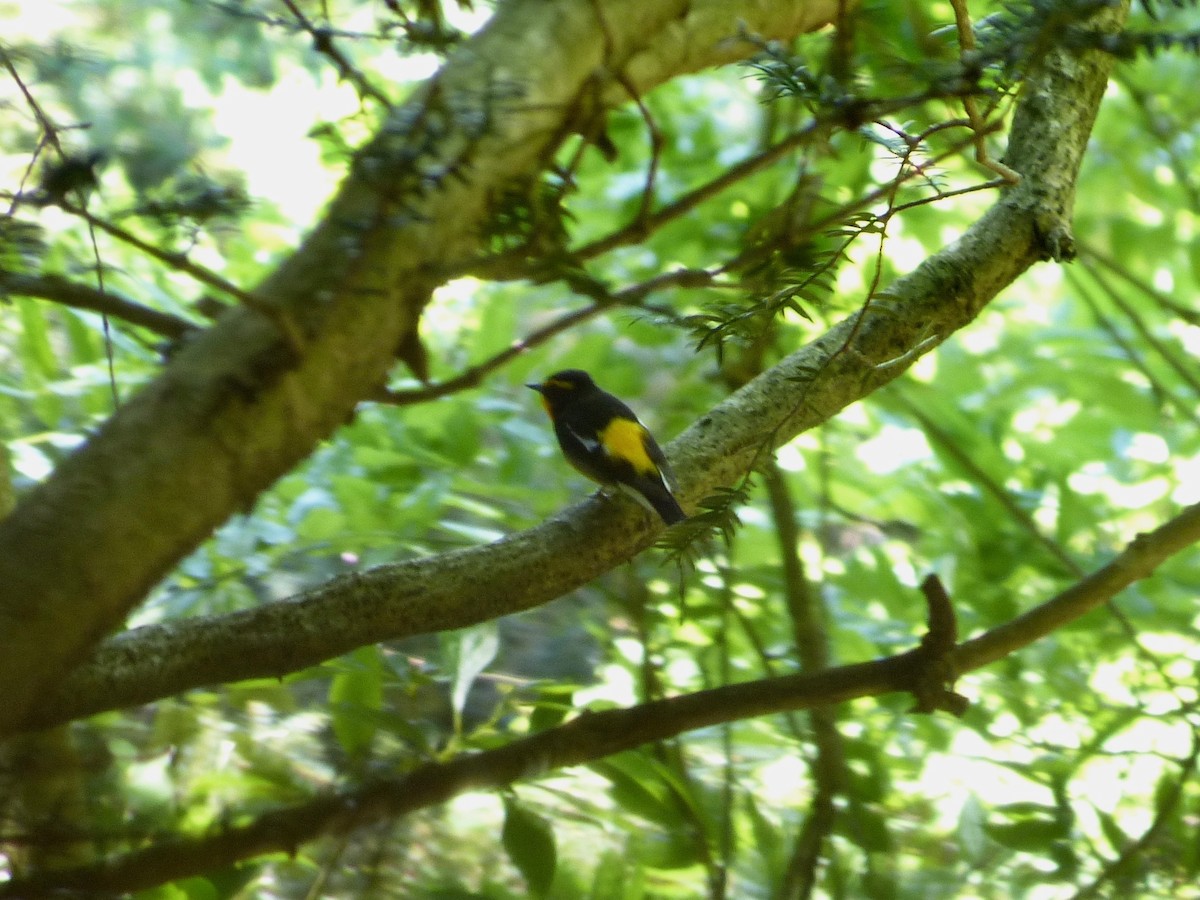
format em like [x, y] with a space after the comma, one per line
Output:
[589, 737]
[456, 589]
[594, 735]
[241, 404]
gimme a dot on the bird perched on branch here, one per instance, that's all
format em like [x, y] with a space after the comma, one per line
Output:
[66, 179]
[602, 438]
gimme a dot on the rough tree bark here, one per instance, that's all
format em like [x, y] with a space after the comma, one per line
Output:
[246, 400]
[237, 408]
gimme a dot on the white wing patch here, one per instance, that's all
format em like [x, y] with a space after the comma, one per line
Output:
[592, 444]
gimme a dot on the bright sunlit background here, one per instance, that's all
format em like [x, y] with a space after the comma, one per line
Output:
[1024, 452]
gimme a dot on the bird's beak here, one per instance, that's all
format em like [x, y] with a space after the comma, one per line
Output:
[534, 387]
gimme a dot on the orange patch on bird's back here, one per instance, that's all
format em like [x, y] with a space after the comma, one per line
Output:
[625, 439]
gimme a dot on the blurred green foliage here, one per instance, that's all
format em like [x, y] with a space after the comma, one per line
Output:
[1027, 450]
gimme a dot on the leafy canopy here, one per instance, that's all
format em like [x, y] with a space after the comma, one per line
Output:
[160, 161]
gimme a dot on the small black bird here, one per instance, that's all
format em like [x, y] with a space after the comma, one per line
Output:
[73, 174]
[602, 438]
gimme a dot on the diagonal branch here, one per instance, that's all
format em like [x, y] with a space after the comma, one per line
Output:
[857, 356]
[1140, 558]
[82, 296]
[243, 403]
[594, 735]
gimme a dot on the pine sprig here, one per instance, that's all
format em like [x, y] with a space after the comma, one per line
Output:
[1023, 32]
[778, 276]
[1132, 45]
[530, 216]
[688, 540]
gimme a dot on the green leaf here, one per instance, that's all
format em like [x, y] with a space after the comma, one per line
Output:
[188, 889]
[768, 841]
[39, 361]
[36, 352]
[355, 698]
[529, 841]
[867, 827]
[1031, 835]
[618, 876]
[639, 788]
[161, 892]
[198, 889]
[972, 837]
[551, 707]
[475, 650]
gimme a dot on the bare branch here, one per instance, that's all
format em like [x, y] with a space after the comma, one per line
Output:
[1138, 561]
[605, 300]
[323, 43]
[474, 376]
[591, 736]
[82, 296]
[594, 735]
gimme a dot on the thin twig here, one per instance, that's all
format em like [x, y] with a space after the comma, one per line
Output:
[48, 127]
[1184, 371]
[287, 328]
[631, 296]
[656, 145]
[176, 261]
[966, 45]
[981, 477]
[1160, 391]
[322, 39]
[645, 224]
[50, 133]
[1188, 314]
[474, 376]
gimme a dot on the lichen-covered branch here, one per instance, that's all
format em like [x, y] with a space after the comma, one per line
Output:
[456, 589]
[250, 397]
[594, 735]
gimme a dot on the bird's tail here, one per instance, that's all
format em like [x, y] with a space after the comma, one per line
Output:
[667, 507]
[654, 494]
